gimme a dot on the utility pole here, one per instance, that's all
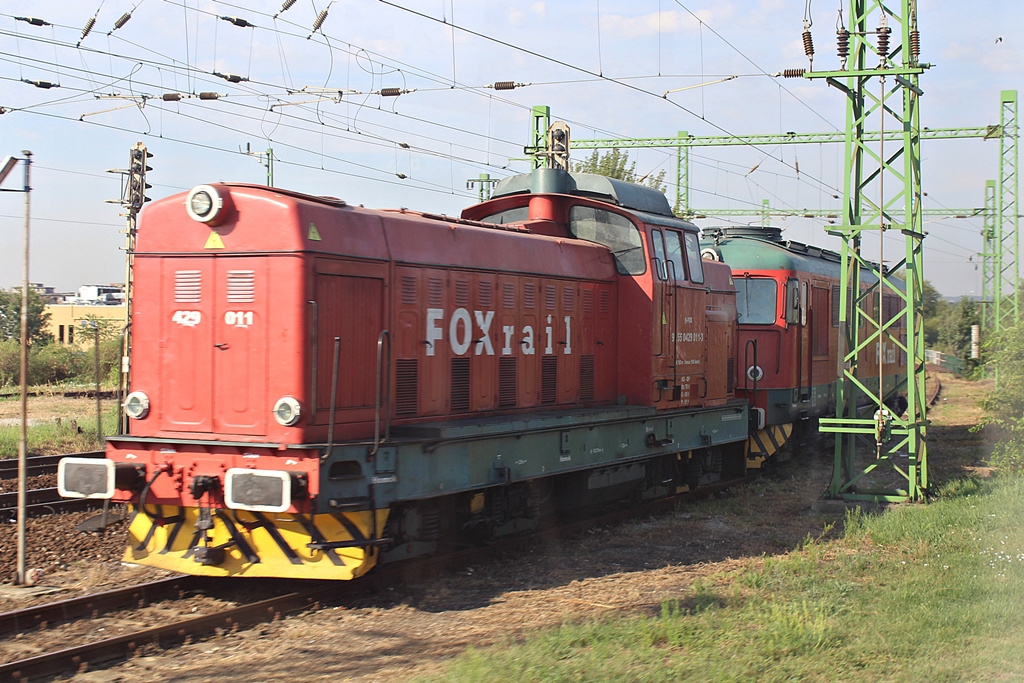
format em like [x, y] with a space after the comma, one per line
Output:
[539, 124]
[1007, 286]
[882, 193]
[8, 165]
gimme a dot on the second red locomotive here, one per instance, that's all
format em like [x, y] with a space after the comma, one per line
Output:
[789, 343]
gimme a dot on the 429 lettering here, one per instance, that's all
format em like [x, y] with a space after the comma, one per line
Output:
[187, 318]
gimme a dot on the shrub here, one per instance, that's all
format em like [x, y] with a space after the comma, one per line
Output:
[10, 362]
[55, 363]
[1004, 407]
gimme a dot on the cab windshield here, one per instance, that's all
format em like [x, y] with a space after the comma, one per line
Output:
[614, 231]
[755, 300]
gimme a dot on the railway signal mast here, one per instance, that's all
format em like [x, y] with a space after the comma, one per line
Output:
[133, 198]
[882, 193]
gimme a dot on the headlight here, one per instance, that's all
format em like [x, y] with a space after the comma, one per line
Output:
[136, 405]
[287, 411]
[262, 490]
[85, 478]
[203, 203]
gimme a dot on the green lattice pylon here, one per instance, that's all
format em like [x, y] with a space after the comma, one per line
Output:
[989, 258]
[880, 455]
[1007, 289]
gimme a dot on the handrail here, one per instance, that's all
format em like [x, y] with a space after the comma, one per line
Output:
[334, 396]
[122, 385]
[383, 369]
[746, 376]
[316, 353]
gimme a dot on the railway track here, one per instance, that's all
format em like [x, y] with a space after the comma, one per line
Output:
[39, 465]
[311, 594]
[43, 502]
[78, 658]
[936, 389]
[50, 614]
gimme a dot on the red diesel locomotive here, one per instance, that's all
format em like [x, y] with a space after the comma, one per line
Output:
[787, 299]
[317, 387]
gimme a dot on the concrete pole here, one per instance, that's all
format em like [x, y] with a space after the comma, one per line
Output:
[23, 444]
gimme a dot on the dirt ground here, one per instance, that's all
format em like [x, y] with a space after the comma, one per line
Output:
[47, 407]
[411, 630]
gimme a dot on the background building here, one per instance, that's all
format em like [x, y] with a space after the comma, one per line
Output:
[71, 320]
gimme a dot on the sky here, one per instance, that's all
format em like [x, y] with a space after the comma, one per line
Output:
[606, 67]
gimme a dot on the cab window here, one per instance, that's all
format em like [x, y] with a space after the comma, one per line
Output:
[518, 214]
[674, 249]
[614, 231]
[755, 300]
[658, 255]
[693, 258]
[793, 307]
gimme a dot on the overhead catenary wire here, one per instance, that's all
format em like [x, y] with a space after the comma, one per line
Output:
[191, 72]
[188, 69]
[378, 139]
[433, 187]
[563, 63]
[257, 93]
[199, 10]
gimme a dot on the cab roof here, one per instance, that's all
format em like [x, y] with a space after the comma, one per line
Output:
[611, 190]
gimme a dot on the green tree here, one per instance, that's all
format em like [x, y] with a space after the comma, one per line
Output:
[933, 310]
[110, 328]
[955, 329]
[930, 300]
[616, 164]
[110, 347]
[10, 316]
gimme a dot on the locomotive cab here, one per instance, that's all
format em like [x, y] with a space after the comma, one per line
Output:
[676, 322]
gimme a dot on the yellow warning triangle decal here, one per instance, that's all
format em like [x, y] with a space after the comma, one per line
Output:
[314, 234]
[214, 241]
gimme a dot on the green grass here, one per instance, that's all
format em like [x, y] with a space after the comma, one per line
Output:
[72, 435]
[919, 593]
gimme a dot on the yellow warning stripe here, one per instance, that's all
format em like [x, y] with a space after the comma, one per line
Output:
[256, 544]
[764, 443]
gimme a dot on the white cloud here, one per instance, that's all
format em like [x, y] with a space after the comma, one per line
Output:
[649, 24]
[517, 17]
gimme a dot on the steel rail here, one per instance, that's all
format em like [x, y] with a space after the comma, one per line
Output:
[44, 502]
[43, 616]
[79, 658]
[41, 464]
